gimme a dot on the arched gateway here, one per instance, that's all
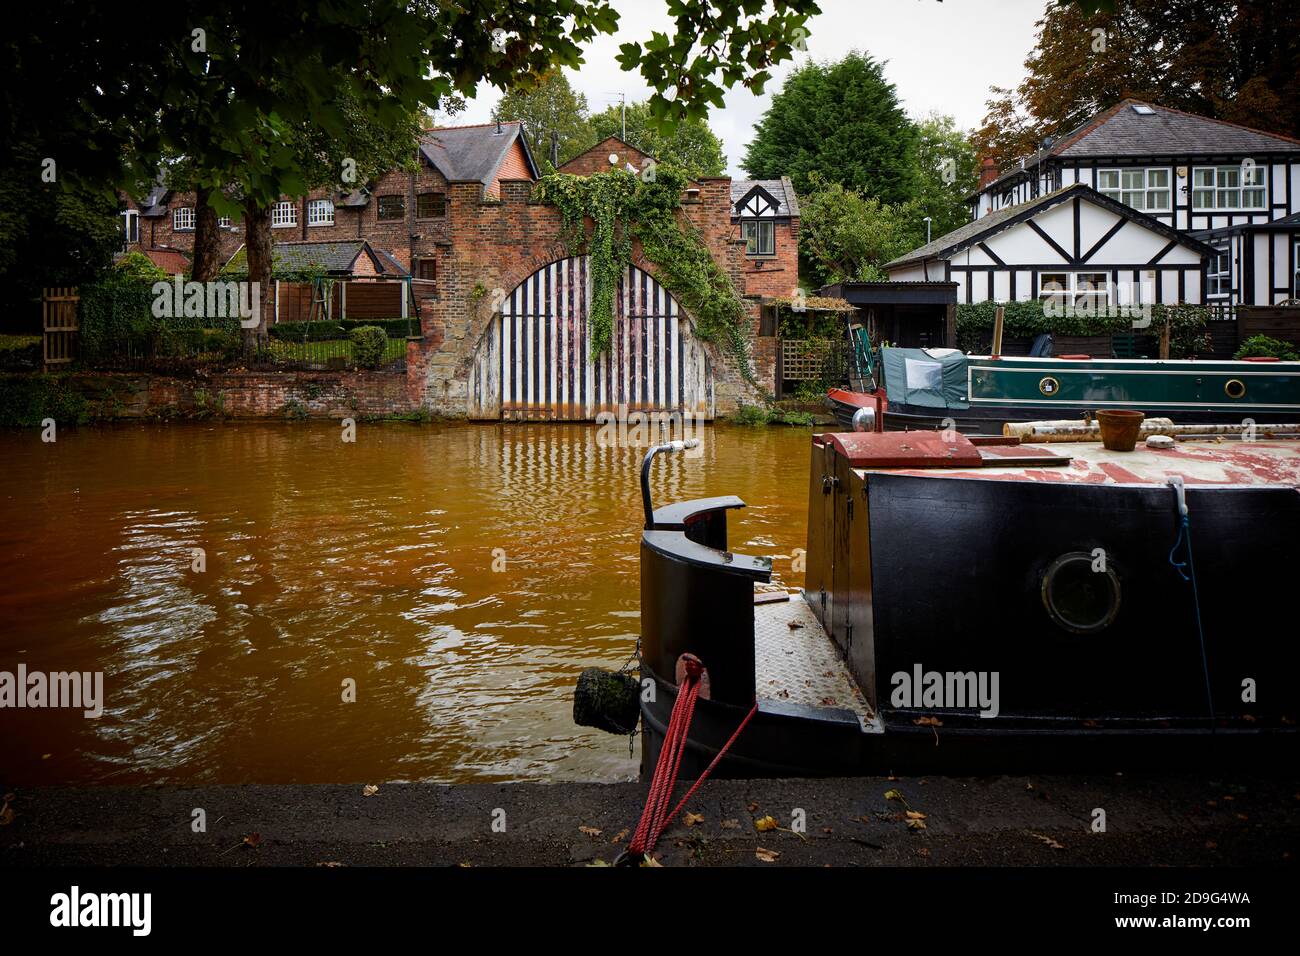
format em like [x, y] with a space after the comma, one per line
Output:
[534, 360]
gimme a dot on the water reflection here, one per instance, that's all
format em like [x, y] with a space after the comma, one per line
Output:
[461, 575]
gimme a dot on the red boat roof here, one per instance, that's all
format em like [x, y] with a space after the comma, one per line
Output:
[1225, 462]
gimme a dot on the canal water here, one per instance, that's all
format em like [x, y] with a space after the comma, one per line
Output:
[461, 575]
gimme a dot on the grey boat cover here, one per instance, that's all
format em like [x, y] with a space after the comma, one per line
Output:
[934, 378]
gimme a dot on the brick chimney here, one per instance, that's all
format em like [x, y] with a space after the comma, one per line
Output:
[988, 171]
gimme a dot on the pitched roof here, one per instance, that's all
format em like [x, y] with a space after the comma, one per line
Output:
[473, 153]
[994, 222]
[782, 190]
[1122, 130]
[172, 261]
[336, 257]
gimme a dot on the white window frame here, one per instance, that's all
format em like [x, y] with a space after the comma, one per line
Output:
[315, 217]
[1219, 274]
[225, 222]
[284, 215]
[180, 216]
[1295, 279]
[1121, 192]
[1074, 290]
[130, 223]
[1221, 190]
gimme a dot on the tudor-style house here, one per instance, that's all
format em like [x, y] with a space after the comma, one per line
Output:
[1141, 204]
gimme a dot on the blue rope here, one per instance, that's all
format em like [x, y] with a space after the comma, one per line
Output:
[1185, 538]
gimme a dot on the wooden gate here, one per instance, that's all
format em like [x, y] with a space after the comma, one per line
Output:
[534, 361]
[60, 326]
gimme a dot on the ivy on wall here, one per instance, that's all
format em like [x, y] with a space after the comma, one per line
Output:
[623, 206]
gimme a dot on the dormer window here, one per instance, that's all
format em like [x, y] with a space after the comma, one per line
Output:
[757, 211]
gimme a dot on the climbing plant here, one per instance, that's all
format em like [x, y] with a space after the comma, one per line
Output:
[623, 206]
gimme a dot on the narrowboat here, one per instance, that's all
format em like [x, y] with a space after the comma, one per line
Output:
[944, 388]
[978, 605]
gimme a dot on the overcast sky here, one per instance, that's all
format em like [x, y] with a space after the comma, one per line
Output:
[940, 56]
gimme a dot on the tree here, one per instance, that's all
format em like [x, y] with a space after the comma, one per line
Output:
[843, 121]
[691, 146]
[548, 106]
[846, 236]
[946, 173]
[1237, 60]
[250, 74]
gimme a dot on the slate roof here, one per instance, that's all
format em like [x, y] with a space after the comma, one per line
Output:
[994, 222]
[782, 190]
[1122, 131]
[336, 257]
[472, 153]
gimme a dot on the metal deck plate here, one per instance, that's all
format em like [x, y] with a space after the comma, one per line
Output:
[800, 665]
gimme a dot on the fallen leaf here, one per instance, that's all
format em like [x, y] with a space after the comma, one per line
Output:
[1048, 840]
[591, 831]
[253, 840]
[915, 815]
[693, 818]
[923, 851]
[794, 625]
[753, 806]
[764, 824]
[915, 824]
[827, 830]
[731, 824]
[620, 836]
[369, 790]
[766, 856]
[894, 795]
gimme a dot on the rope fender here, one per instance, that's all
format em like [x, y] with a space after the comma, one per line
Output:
[655, 818]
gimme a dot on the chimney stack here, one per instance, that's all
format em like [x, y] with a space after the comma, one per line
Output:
[988, 171]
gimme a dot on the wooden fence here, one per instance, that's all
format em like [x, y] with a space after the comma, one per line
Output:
[1275, 321]
[59, 326]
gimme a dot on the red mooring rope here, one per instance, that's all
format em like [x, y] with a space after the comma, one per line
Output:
[653, 820]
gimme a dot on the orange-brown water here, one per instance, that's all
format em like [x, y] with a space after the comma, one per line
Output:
[327, 561]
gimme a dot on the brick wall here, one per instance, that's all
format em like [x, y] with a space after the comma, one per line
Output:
[273, 395]
[497, 243]
[596, 159]
[486, 244]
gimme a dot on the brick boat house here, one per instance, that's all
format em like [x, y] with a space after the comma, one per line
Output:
[502, 305]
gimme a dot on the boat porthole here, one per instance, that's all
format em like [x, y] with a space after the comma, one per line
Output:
[1048, 385]
[1234, 388]
[1079, 597]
